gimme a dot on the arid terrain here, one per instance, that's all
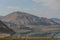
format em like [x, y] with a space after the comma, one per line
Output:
[20, 24]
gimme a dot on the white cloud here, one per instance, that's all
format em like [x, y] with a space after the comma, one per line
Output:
[16, 8]
[50, 3]
[13, 8]
[10, 9]
[35, 11]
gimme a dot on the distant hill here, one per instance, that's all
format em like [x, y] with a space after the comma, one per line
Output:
[5, 29]
[1, 17]
[25, 24]
[22, 18]
[22, 22]
[56, 20]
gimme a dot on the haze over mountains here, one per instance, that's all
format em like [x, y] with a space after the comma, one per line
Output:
[57, 20]
[21, 22]
[22, 18]
[17, 20]
[1, 17]
[5, 31]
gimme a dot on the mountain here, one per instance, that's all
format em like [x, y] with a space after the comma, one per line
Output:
[22, 18]
[25, 25]
[56, 20]
[5, 31]
[1, 17]
[4, 28]
[22, 22]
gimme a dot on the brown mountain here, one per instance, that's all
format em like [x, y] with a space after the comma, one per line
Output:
[22, 22]
[5, 31]
[22, 18]
[4, 28]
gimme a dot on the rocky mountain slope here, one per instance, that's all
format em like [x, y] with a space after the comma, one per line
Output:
[1, 17]
[5, 31]
[25, 24]
[57, 20]
[22, 18]
[4, 28]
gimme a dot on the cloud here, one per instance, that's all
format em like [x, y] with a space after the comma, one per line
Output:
[16, 8]
[13, 8]
[10, 9]
[48, 14]
[35, 11]
[49, 3]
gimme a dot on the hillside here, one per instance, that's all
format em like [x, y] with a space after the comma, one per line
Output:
[4, 30]
[27, 25]
[1, 17]
[57, 20]
[22, 18]
[22, 22]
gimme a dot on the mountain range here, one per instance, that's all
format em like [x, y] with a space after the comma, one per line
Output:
[21, 22]
[5, 31]
[22, 18]
[57, 20]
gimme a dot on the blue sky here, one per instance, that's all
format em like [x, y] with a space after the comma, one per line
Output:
[41, 8]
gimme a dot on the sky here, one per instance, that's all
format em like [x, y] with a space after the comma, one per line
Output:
[41, 8]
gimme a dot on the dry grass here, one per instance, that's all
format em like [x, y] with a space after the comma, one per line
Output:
[2, 35]
[30, 39]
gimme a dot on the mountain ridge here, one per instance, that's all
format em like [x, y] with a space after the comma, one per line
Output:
[27, 19]
[24, 23]
[57, 20]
